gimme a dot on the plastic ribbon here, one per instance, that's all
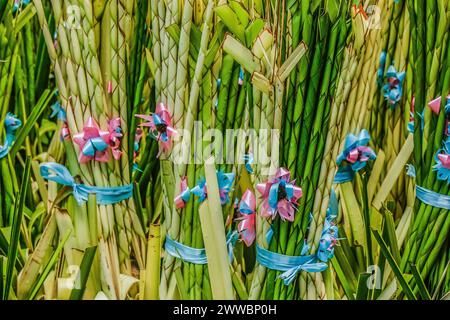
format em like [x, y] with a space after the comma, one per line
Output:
[58, 112]
[393, 89]
[225, 182]
[380, 71]
[435, 106]
[248, 158]
[11, 125]
[330, 231]
[181, 200]
[442, 166]
[280, 195]
[105, 195]
[93, 143]
[246, 226]
[195, 255]
[433, 198]
[289, 265]
[355, 155]
[160, 124]
[241, 76]
[115, 134]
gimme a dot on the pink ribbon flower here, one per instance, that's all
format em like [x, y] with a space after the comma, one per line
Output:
[160, 124]
[280, 195]
[246, 225]
[185, 194]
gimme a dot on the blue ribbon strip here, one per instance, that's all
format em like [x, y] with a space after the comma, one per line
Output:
[105, 195]
[289, 265]
[433, 198]
[11, 126]
[195, 255]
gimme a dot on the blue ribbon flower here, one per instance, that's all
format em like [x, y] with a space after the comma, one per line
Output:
[105, 195]
[225, 182]
[393, 89]
[11, 125]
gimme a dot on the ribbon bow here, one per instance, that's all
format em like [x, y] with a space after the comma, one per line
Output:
[160, 124]
[115, 134]
[93, 142]
[442, 166]
[280, 196]
[185, 194]
[11, 125]
[393, 89]
[289, 265]
[246, 225]
[330, 231]
[105, 195]
[356, 153]
[225, 182]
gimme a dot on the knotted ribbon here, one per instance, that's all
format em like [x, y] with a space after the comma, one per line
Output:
[289, 265]
[105, 195]
[280, 195]
[225, 182]
[11, 125]
[355, 156]
[246, 225]
[181, 199]
[160, 124]
[195, 255]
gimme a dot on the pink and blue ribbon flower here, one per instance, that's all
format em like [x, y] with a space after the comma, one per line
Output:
[12, 124]
[93, 143]
[354, 157]
[184, 196]
[249, 160]
[20, 3]
[114, 138]
[393, 88]
[225, 182]
[160, 124]
[246, 226]
[280, 196]
[442, 166]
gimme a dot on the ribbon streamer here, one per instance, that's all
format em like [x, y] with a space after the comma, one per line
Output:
[289, 265]
[195, 255]
[432, 198]
[11, 125]
[105, 195]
